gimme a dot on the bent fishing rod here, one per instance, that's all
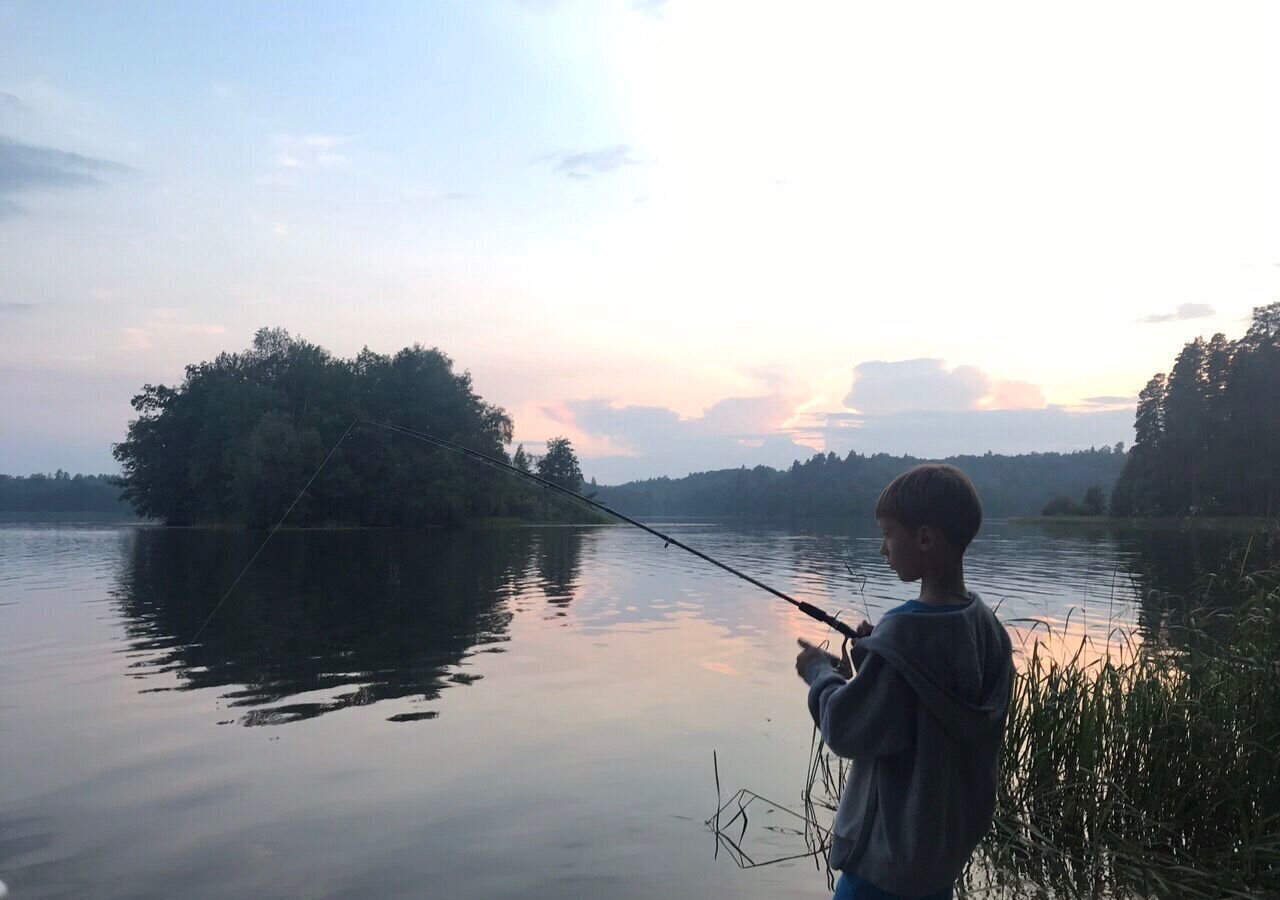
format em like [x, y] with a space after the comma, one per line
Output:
[494, 462]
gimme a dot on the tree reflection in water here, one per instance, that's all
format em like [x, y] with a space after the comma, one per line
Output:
[559, 556]
[325, 620]
[1184, 573]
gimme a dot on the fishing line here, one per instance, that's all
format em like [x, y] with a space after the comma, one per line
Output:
[862, 587]
[323, 463]
[494, 462]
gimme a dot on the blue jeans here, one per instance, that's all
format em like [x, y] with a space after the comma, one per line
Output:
[851, 887]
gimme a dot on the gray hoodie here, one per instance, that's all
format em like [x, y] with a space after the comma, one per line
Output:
[923, 721]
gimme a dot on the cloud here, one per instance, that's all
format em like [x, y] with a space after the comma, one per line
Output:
[166, 326]
[933, 434]
[1015, 395]
[136, 338]
[1184, 311]
[659, 441]
[747, 417]
[12, 307]
[11, 103]
[772, 378]
[914, 384]
[1109, 400]
[591, 162]
[921, 385]
[650, 7]
[27, 167]
[24, 166]
[911, 407]
[309, 151]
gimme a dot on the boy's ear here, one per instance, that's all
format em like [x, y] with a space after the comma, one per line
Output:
[925, 537]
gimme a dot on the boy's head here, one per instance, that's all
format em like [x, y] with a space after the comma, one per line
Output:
[929, 516]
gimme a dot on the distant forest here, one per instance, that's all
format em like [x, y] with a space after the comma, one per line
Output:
[61, 492]
[236, 441]
[828, 486]
[825, 486]
[1208, 434]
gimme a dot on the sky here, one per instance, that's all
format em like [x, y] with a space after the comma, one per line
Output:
[686, 235]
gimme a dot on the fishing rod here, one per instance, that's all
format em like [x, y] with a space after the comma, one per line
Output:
[807, 608]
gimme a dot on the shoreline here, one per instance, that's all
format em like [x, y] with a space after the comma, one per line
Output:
[1159, 522]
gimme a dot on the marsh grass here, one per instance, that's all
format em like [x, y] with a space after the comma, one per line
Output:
[1130, 770]
[1150, 769]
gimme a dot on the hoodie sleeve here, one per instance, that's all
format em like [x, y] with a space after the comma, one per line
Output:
[873, 714]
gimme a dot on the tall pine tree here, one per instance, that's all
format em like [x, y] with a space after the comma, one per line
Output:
[1208, 436]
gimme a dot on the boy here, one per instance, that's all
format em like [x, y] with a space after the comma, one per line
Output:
[924, 717]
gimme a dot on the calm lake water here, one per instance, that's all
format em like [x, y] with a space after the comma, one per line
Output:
[522, 712]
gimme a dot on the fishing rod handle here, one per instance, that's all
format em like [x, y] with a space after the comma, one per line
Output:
[822, 616]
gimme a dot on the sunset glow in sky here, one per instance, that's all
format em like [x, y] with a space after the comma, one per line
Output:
[687, 235]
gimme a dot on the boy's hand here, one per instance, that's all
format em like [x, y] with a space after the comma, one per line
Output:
[842, 664]
[810, 654]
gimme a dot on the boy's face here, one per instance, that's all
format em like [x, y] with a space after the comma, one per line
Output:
[903, 549]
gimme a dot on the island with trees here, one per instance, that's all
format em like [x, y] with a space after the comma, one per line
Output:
[237, 440]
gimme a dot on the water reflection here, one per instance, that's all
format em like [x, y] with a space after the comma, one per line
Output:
[332, 619]
[631, 665]
[1178, 569]
[559, 554]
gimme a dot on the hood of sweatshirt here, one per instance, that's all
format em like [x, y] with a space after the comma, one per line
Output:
[959, 662]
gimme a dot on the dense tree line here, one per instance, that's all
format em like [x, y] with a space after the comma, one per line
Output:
[1207, 436]
[829, 486]
[240, 436]
[1093, 504]
[61, 492]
